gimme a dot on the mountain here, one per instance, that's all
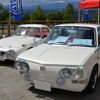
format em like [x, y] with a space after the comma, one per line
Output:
[56, 6]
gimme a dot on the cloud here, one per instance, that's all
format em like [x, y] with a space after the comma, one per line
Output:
[36, 2]
[57, 1]
[5, 2]
[48, 1]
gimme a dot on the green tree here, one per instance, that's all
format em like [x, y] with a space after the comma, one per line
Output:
[37, 14]
[69, 13]
[25, 16]
[1, 6]
[57, 15]
[4, 15]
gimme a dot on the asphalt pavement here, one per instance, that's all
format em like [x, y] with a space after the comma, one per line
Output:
[13, 87]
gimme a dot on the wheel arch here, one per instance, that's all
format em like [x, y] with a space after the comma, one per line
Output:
[29, 48]
[97, 68]
[89, 87]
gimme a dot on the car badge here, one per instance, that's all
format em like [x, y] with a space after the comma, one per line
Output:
[42, 68]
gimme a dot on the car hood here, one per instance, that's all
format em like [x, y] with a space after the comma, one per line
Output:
[57, 55]
[14, 41]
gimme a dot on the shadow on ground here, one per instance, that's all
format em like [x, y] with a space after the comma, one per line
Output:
[7, 63]
[57, 94]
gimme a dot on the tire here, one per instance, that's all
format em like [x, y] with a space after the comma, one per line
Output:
[93, 80]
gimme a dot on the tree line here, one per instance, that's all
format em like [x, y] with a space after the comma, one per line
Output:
[69, 13]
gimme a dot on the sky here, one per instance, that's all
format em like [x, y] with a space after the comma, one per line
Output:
[36, 2]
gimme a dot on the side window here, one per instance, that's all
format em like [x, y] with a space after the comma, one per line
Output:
[45, 32]
[99, 36]
[37, 32]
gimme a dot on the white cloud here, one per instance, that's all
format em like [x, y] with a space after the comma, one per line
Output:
[58, 1]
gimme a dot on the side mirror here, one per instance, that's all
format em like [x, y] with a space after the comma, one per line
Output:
[35, 43]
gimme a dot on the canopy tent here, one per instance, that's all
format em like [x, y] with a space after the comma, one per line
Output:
[90, 4]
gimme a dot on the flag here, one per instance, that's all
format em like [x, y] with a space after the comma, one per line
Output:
[86, 14]
[16, 9]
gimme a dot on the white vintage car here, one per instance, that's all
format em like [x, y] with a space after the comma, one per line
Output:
[26, 36]
[69, 59]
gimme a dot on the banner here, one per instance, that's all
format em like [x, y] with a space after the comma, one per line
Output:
[16, 9]
[86, 14]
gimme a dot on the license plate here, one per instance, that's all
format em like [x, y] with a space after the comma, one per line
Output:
[42, 85]
[2, 58]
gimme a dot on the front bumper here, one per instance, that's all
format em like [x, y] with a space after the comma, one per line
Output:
[4, 57]
[46, 78]
[47, 85]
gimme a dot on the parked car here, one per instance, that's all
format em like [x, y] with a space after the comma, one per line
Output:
[69, 59]
[25, 37]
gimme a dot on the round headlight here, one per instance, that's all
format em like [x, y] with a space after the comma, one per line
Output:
[10, 53]
[18, 65]
[60, 81]
[25, 67]
[65, 73]
[22, 66]
[77, 74]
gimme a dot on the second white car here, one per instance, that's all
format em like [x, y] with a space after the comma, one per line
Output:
[24, 38]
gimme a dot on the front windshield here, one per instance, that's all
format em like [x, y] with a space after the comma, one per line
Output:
[72, 35]
[28, 31]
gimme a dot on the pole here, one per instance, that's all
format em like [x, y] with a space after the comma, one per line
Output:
[9, 21]
[98, 15]
[78, 15]
[99, 12]
[82, 15]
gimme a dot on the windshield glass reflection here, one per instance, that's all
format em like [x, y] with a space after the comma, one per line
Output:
[29, 31]
[72, 35]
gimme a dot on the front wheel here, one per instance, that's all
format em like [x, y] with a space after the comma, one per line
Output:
[93, 80]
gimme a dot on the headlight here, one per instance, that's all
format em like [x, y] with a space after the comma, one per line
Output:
[60, 81]
[25, 67]
[65, 73]
[18, 65]
[22, 66]
[73, 73]
[77, 74]
[10, 53]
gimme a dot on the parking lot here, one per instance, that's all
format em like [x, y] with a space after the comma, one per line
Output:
[13, 87]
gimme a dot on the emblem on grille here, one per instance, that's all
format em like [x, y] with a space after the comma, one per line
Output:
[42, 68]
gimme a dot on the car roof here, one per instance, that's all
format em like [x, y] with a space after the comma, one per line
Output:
[32, 25]
[80, 24]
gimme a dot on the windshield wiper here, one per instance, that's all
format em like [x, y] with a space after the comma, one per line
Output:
[58, 43]
[83, 45]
